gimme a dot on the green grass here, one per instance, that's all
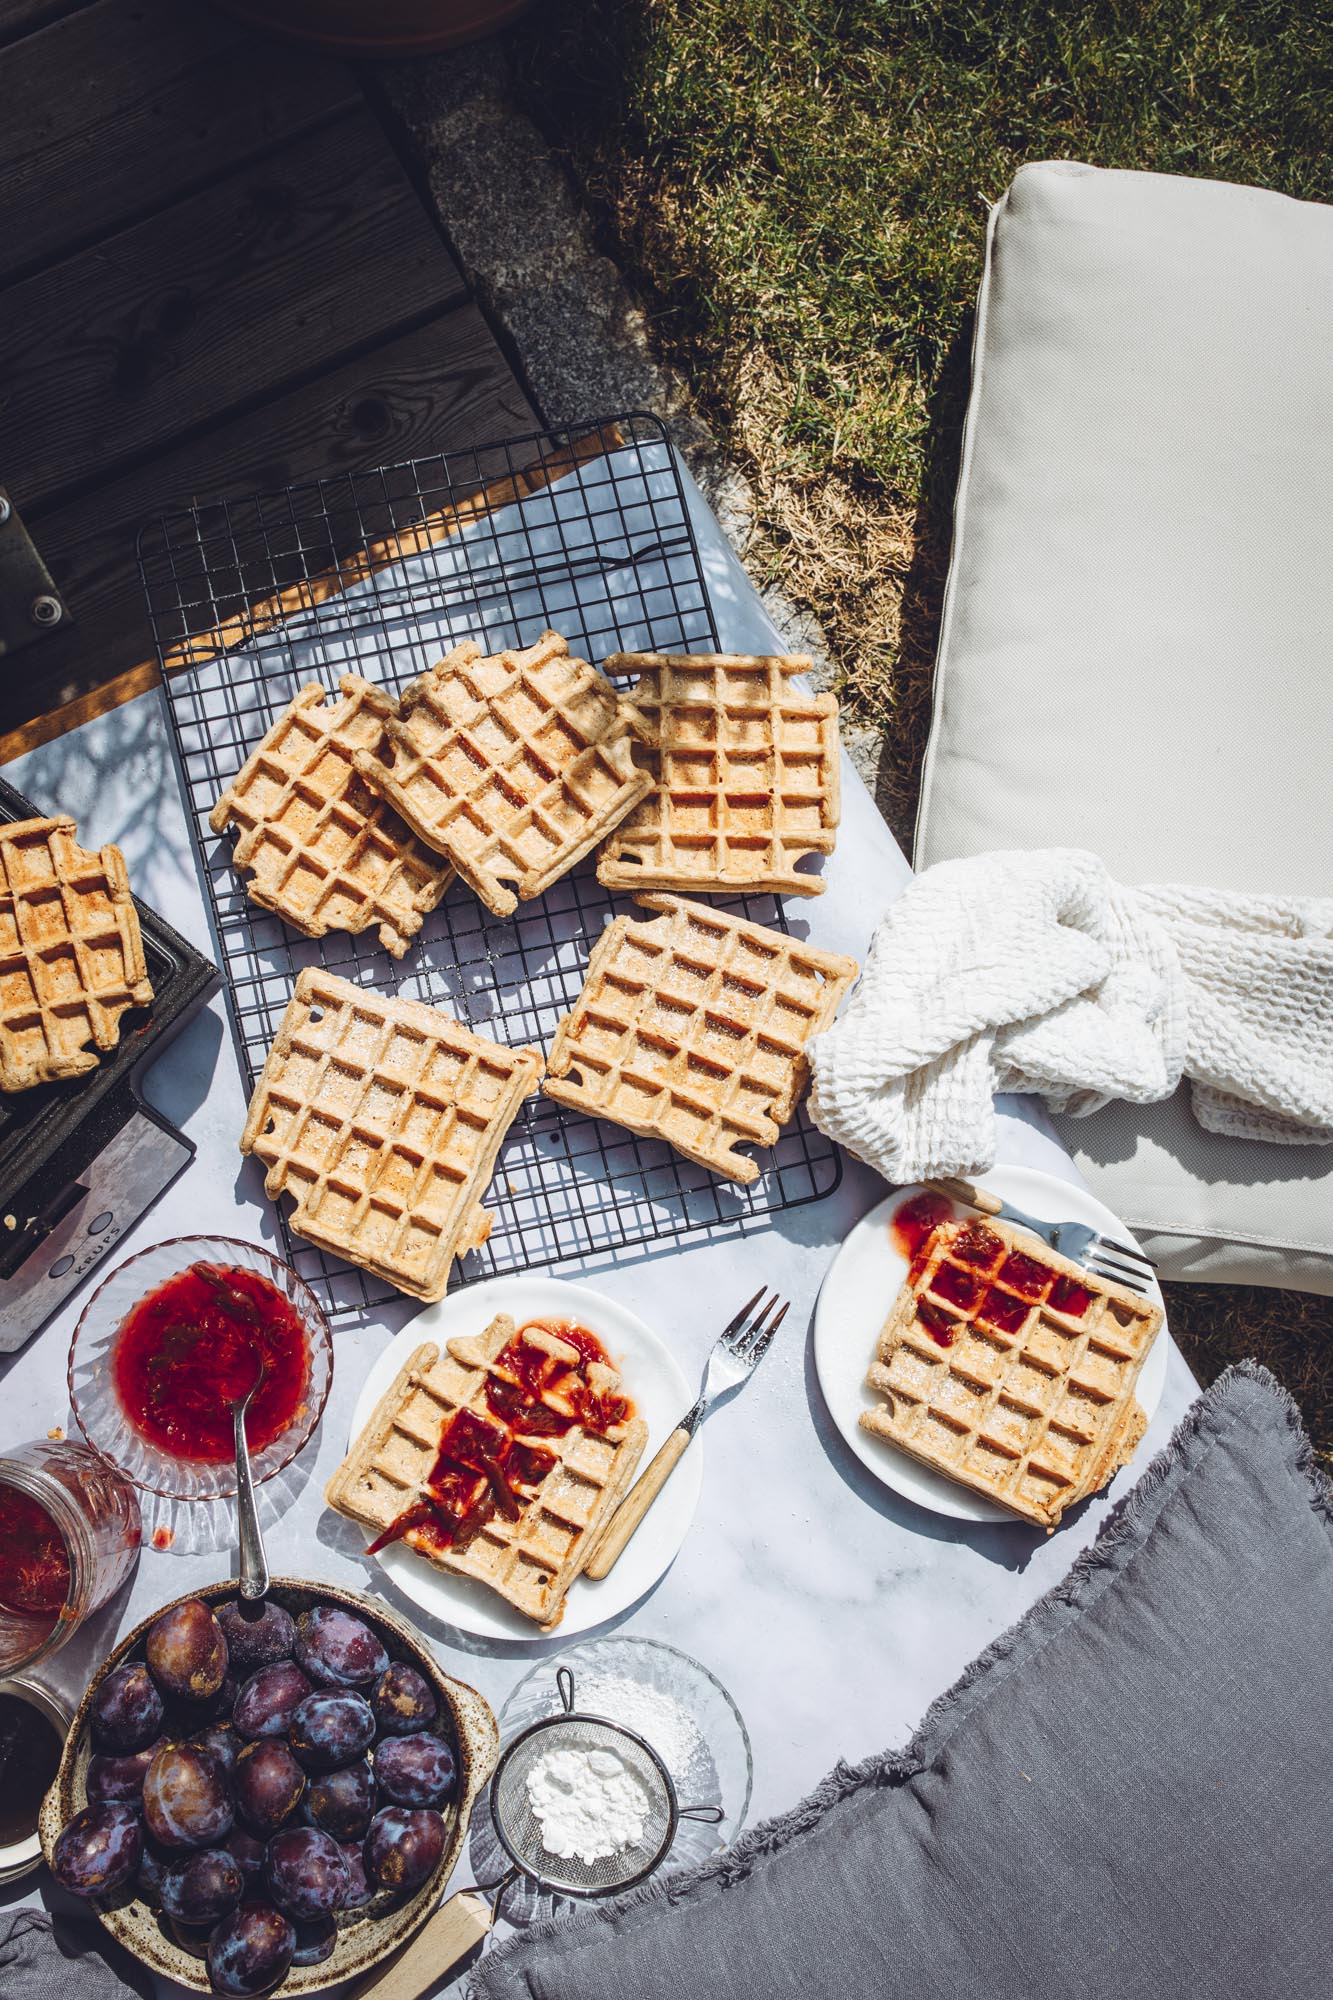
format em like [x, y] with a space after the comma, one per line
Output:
[811, 179]
[798, 189]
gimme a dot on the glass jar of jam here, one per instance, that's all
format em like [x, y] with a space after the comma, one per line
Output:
[69, 1536]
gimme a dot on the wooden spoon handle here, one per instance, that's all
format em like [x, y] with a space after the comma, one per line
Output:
[636, 1504]
[443, 1939]
[969, 1194]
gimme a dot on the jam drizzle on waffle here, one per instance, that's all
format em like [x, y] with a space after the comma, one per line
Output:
[489, 1465]
[913, 1224]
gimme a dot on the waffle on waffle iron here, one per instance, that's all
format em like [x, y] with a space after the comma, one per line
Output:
[71, 952]
[382, 1118]
[693, 1028]
[745, 776]
[522, 1508]
[1012, 1370]
[322, 849]
[513, 766]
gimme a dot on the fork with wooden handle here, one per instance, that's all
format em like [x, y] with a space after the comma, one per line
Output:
[736, 1353]
[1122, 1263]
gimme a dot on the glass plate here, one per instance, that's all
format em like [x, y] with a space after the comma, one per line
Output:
[680, 1708]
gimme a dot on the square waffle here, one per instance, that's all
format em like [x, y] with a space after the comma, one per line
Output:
[71, 953]
[1011, 1369]
[382, 1118]
[323, 849]
[744, 770]
[512, 766]
[563, 1488]
[692, 1028]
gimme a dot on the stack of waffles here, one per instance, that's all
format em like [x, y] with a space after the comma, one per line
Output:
[404, 1480]
[382, 1119]
[693, 1028]
[71, 953]
[1008, 1368]
[744, 770]
[323, 849]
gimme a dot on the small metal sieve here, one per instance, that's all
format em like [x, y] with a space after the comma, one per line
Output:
[518, 1829]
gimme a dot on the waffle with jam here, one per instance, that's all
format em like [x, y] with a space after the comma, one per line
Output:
[500, 1459]
[1011, 1370]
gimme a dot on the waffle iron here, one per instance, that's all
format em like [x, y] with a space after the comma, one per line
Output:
[81, 1161]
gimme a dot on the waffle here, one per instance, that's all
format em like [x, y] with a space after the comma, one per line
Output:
[382, 1118]
[324, 850]
[565, 1488]
[744, 770]
[71, 954]
[693, 1029]
[512, 766]
[1012, 1370]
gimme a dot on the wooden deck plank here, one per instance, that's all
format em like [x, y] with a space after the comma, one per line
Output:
[444, 387]
[124, 106]
[24, 17]
[273, 274]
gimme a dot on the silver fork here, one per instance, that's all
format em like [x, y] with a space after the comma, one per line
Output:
[1119, 1262]
[736, 1352]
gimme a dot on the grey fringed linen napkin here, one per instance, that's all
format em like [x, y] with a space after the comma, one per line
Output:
[71, 1958]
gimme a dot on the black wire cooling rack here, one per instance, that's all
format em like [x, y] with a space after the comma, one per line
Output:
[586, 530]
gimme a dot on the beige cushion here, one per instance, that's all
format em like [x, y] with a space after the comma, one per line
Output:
[1137, 651]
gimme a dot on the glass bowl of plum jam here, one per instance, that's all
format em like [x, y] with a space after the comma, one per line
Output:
[177, 1334]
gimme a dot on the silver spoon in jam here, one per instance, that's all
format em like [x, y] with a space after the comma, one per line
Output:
[254, 1563]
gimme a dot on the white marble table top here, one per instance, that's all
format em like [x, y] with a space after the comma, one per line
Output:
[833, 1611]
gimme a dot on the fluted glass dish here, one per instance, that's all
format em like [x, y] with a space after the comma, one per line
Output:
[92, 1389]
[671, 1700]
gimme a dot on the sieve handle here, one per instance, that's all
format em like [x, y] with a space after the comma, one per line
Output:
[455, 1929]
[633, 1508]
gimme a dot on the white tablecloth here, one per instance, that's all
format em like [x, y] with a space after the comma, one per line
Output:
[833, 1611]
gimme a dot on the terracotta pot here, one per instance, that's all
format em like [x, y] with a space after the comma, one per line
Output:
[364, 1939]
[379, 27]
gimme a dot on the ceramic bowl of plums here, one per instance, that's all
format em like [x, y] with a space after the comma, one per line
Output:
[267, 1798]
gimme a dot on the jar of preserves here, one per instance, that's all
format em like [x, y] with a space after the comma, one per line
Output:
[69, 1537]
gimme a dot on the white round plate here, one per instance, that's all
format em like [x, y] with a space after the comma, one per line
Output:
[661, 1396]
[862, 1282]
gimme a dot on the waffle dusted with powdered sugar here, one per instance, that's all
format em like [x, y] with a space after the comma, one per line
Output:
[382, 1119]
[319, 845]
[745, 778]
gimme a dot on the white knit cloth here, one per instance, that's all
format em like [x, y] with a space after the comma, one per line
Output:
[1037, 972]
